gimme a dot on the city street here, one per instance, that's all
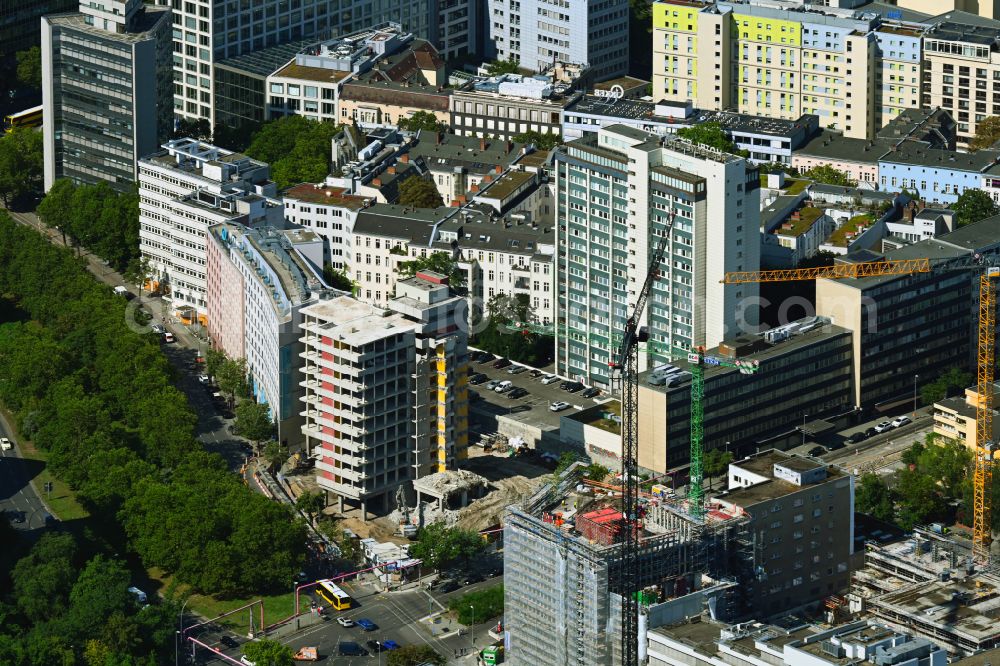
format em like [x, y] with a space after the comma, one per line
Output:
[403, 617]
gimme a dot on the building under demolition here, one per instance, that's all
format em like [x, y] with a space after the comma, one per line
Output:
[929, 586]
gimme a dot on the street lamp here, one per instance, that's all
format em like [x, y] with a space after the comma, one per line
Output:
[180, 630]
[915, 378]
[473, 625]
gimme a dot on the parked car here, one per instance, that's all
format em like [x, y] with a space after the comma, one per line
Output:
[228, 641]
[504, 386]
[245, 661]
[156, 328]
[901, 420]
[558, 406]
[516, 370]
[493, 383]
[478, 378]
[448, 586]
[591, 393]
[518, 392]
[501, 363]
[550, 379]
[345, 621]
[5, 444]
[535, 374]
[366, 624]
[871, 432]
[374, 646]
[817, 451]
[857, 437]
[571, 387]
[203, 379]
[168, 337]
[485, 357]
[884, 426]
[351, 649]
[471, 578]
[389, 646]
[473, 396]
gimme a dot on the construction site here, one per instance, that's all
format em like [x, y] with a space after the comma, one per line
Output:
[562, 547]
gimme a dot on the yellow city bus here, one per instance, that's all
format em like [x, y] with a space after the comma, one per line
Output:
[333, 595]
[28, 118]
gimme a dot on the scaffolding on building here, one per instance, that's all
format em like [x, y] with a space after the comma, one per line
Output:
[561, 590]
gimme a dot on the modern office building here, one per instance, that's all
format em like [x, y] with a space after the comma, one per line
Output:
[183, 190]
[209, 31]
[535, 33]
[19, 22]
[841, 64]
[908, 330]
[804, 374]
[504, 106]
[275, 279]
[616, 194]
[105, 90]
[386, 400]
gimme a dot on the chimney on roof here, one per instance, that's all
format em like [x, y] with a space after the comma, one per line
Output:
[461, 199]
[405, 158]
[482, 143]
[498, 169]
[455, 203]
[474, 189]
[508, 145]
[377, 182]
[391, 170]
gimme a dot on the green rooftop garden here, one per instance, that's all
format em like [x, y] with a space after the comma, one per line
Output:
[839, 237]
[807, 217]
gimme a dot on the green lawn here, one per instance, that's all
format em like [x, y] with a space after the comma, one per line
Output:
[794, 186]
[61, 500]
[276, 607]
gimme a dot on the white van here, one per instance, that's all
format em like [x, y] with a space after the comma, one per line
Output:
[504, 386]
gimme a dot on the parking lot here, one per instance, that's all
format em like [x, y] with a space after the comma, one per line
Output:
[534, 405]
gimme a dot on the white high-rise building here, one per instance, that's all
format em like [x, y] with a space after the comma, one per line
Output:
[183, 190]
[105, 90]
[615, 195]
[538, 33]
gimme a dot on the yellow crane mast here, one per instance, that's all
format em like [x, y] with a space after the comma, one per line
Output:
[985, 361]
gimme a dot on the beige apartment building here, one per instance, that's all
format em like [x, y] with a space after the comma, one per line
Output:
[853, 72]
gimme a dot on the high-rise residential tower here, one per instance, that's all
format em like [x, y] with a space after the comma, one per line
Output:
[616, 193]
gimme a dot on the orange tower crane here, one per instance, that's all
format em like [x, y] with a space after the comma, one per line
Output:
[985, 359]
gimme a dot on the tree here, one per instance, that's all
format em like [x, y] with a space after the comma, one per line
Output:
[419, 192]
[987, 133]
[478, 606]
[497, 333]
[100, 592]
[596, 472]
[297, 149]
[920, 500]
[546, 141]
[20, 163]
[337, 278]
[716, 462]
[708, 134]
[498, 67]
[437, 262]
[421, 120]
[414, 655]
[253, 421]
[874, 497]
[55, 209]
[311, 503]
[232, 378]
[268, 652]
[566, 459]
[29, 67]
[940, 388]
[438, 545]
[43, 579]
[213, 361]
[198, 128]
[973, 205]
[827, 175]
